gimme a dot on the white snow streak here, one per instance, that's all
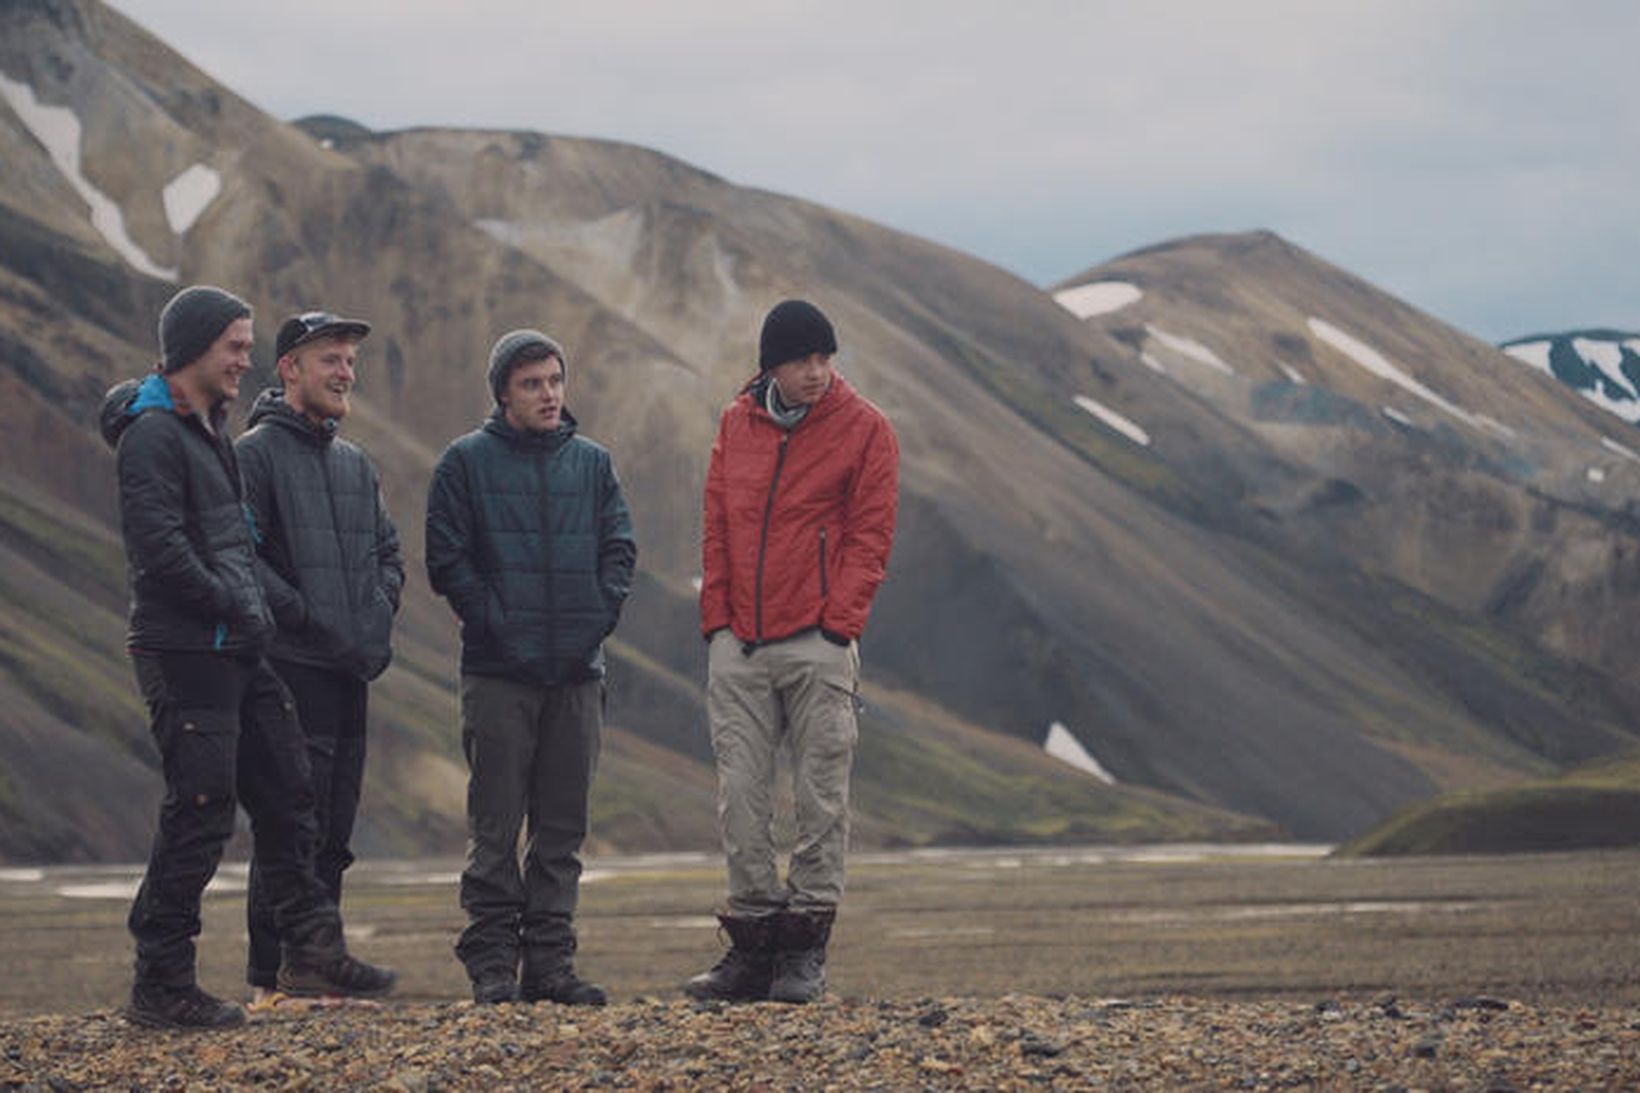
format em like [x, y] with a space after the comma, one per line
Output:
[1375, 362]
[1099, 298]
[1597, 475]
[1066, 748]
[1152, 363]
[1397, 416]
[1613, 446]
[1292, 373]
[1188, 347]
[188, 195]
[1535, 354]
[58, 129]
[1114, 420]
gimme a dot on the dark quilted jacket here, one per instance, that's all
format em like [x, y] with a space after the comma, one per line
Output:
[328, 556]
[188, 544]
[529, 538]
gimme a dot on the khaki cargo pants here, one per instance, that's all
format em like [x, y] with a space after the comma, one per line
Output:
[800, 692]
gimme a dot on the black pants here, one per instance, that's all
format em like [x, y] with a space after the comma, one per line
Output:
[332, 709]
[532, 752]
[227, 734]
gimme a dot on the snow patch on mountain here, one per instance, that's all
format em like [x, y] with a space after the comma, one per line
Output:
[1098, 298]
[188, 195]
[1602, 366]
[1190, 348]
[1379, 365]
[1116, 421]
[58, 129]
[1397, 416]
[1063, 745]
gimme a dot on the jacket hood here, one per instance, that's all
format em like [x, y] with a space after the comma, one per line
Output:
[271, 406]
[126, 400]
[497, 423]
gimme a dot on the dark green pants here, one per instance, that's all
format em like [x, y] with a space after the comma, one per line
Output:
[531, 751]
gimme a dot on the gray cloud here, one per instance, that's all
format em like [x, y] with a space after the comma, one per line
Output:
[1480, 158]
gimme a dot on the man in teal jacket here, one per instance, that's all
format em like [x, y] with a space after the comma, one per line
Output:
[529, 538]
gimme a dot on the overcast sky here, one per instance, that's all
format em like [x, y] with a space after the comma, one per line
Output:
[1479, 158]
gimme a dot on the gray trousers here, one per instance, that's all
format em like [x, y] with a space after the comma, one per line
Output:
[799, 692]
[532, 752]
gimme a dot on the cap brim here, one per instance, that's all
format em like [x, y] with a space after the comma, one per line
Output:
[341, 328]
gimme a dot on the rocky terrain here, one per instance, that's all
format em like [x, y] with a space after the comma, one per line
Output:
[1014, 1042]
[1148, 968]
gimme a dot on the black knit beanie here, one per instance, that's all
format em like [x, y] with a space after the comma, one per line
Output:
[194, 319]
[793, 330]
[515, 347]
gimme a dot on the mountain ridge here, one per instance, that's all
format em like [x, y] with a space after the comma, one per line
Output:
[1228, 615]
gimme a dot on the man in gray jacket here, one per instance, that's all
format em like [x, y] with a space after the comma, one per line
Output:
[529, 538]
[328, 556]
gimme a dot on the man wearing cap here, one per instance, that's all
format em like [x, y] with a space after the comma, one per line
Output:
[221, 719]
[529, 538]
[801, 495]
[328, 557]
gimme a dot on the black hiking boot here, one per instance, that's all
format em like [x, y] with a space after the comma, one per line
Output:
[744, 972]
[493, 986]
[800, 956]
[563, 986]
[154, 1005]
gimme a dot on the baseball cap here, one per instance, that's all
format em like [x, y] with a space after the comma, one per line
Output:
[301, 329]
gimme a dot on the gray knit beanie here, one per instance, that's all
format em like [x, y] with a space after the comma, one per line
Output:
[194, 318]
[516, 347]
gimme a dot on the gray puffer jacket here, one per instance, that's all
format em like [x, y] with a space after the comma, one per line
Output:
[328, 554]
[529, 538]
[188, 539]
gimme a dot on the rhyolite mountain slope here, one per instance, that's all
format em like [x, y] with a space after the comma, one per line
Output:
[1260, 602]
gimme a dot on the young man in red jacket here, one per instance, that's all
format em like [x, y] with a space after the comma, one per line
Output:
[801, 496]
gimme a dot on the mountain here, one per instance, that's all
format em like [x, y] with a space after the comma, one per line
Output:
[1604, 365]
[1260, 550]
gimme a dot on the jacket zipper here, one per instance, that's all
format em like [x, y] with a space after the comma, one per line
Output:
[763, 540]
[824, 591]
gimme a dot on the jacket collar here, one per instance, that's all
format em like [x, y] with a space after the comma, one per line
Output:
[528, 441]
[270, 406]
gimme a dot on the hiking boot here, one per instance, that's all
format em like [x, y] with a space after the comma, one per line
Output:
[800, 955]
[744, 973]
[563, 986]
[494, 986]
[155, 1005]
[306, 973]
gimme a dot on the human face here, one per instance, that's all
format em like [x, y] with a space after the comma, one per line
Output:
[533, 400]
[213, 379]
[804, 380]
[319, 377]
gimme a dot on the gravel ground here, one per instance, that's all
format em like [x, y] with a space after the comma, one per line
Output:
[1012, 1042]
[1144, 969]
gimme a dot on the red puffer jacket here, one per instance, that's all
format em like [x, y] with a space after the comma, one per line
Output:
[799, 524]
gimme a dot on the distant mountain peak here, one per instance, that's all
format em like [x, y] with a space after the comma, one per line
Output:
[1602, 364]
